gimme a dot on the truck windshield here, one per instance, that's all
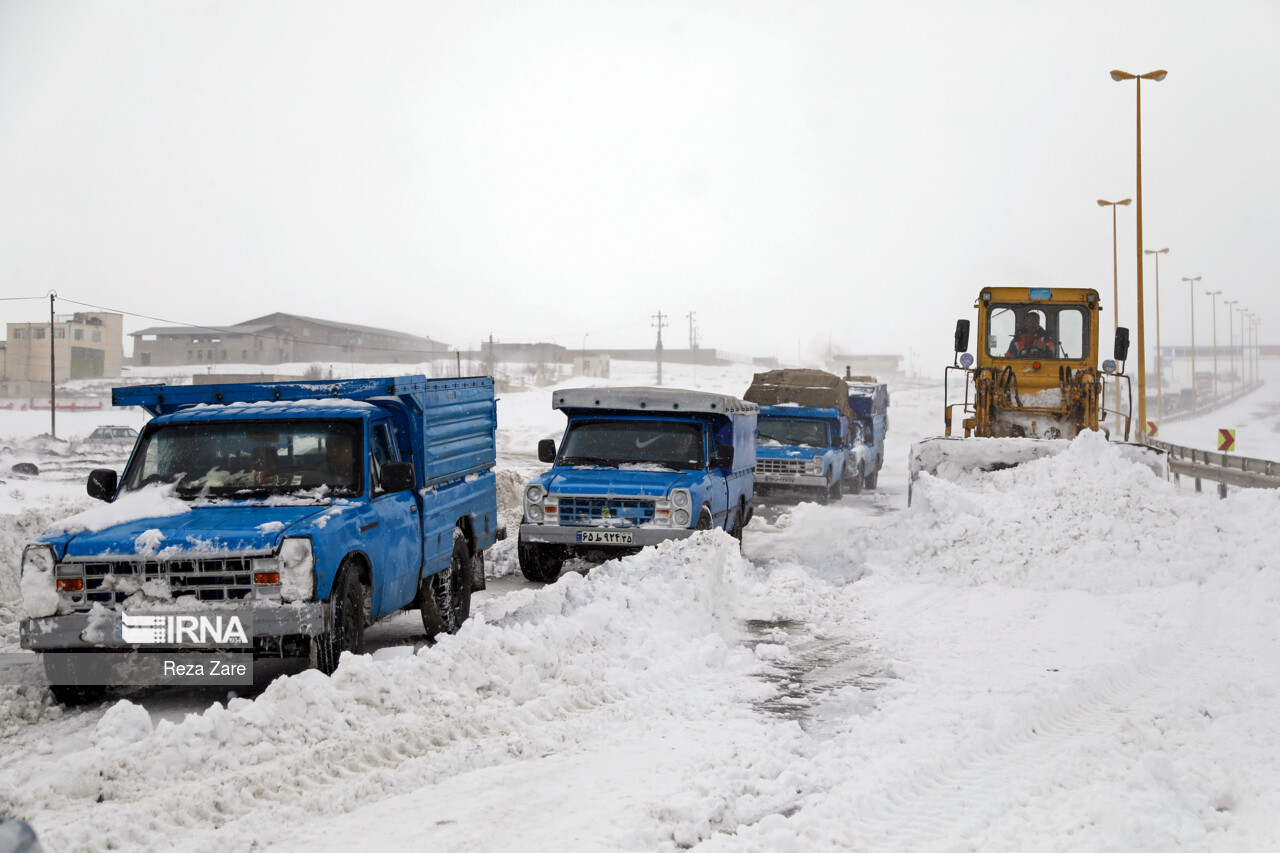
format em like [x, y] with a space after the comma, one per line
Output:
[248, 459]
[795, 431]
[670, 444]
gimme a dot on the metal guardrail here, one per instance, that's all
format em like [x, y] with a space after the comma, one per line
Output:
[1223, 468]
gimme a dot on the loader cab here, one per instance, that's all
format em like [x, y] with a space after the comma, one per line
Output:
[1067, 318]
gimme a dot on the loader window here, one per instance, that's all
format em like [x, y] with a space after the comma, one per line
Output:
[1060, 331]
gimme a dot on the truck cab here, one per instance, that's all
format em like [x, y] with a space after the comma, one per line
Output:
[869, 402]
[802, 451]
[636, 467]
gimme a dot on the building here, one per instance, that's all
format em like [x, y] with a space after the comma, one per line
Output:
[85, 345]
[279, 339]
[325, 340]
[204, 346]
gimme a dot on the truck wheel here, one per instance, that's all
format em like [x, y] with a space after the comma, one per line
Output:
[734, 525]
[704, 520]
[70, 695]
[73, 695]
[869, 481]
[346, 609]
[538, 563]
[477, 571]
[837, 489]
[855, 483]
[445, 597]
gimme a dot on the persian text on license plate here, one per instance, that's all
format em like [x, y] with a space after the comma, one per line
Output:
[603, 537]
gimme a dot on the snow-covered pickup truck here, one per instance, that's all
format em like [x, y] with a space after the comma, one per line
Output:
[314, 508]
[637, 466]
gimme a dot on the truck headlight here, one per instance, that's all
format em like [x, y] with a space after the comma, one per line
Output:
[816, 466]
[39, 592]
[533, 494]
[681, 499]
[535, 512]
[297, 569]
[680, 518]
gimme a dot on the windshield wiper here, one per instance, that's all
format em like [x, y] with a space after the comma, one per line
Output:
[590, 460]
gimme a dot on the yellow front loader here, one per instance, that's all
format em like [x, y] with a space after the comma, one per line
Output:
[1034, 385]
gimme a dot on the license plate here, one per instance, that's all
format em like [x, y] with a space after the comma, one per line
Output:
[603, 537]
[779, 478]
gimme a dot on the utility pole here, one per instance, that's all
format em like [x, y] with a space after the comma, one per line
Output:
[693, 335]
[659, 320]
[53, 375]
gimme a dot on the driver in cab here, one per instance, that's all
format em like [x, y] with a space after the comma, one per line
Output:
[1031, 342]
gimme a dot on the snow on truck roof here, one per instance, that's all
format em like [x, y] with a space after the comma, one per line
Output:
[651, 400]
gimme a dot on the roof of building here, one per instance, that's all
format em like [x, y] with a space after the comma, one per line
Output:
[346, 327]
[188, 331]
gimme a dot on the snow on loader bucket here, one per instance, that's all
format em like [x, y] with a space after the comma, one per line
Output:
[954, 458]
[1034, 385]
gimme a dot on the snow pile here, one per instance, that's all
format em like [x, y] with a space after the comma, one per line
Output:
[650, 632]
[151, 502]
[1087, 518]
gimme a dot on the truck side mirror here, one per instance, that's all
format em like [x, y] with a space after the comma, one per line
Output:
[397, 476]
[102, 484]
[1122, 344]
[962, 335]
[546, 450]
[723, 457]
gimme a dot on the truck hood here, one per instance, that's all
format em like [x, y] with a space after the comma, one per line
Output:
[613, 481]
[205, 530]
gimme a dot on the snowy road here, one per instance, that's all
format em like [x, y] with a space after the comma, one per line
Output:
[1067, 655]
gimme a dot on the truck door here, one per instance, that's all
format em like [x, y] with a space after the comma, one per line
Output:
[719, 486]
[397, 545]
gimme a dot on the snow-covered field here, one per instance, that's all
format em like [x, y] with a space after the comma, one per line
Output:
[1067, 655]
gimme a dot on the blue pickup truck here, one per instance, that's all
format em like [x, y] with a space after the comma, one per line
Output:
[804, 445]
[637, 466]
[320, 507]
[869, 400]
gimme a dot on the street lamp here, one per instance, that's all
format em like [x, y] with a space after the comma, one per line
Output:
[1192, 282]
[1231, 345]
[1156, 76]
[1115, 285]
[1159, 352]
[1242, 312]
[1214, 294]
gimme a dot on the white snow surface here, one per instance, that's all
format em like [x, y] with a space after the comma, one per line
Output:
[1067, 655]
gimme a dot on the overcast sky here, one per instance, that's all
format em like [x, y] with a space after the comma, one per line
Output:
[792, 172]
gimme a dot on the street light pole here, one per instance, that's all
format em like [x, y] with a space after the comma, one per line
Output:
[1242, 312]
[1192, 282]
[1214, 294]
[1231, 345]
[1159, 352]
[1156, 76]
[1115, 285]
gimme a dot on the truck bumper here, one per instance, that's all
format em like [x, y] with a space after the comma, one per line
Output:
[812, 481]
[69, 631]
[552, 534]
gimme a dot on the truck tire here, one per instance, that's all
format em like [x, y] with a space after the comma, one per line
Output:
[71, 695]
[347, 616]
[734, 525]
[837, 490]
[445, 597]
[477, 571]
[538, 563]
[704, 520]
[869, 481]
[855, 483]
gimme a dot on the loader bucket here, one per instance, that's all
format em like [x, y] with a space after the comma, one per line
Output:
[952, 457]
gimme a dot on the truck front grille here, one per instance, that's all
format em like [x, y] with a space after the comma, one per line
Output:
[224, 579]
[779, 466]
[593, 511]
